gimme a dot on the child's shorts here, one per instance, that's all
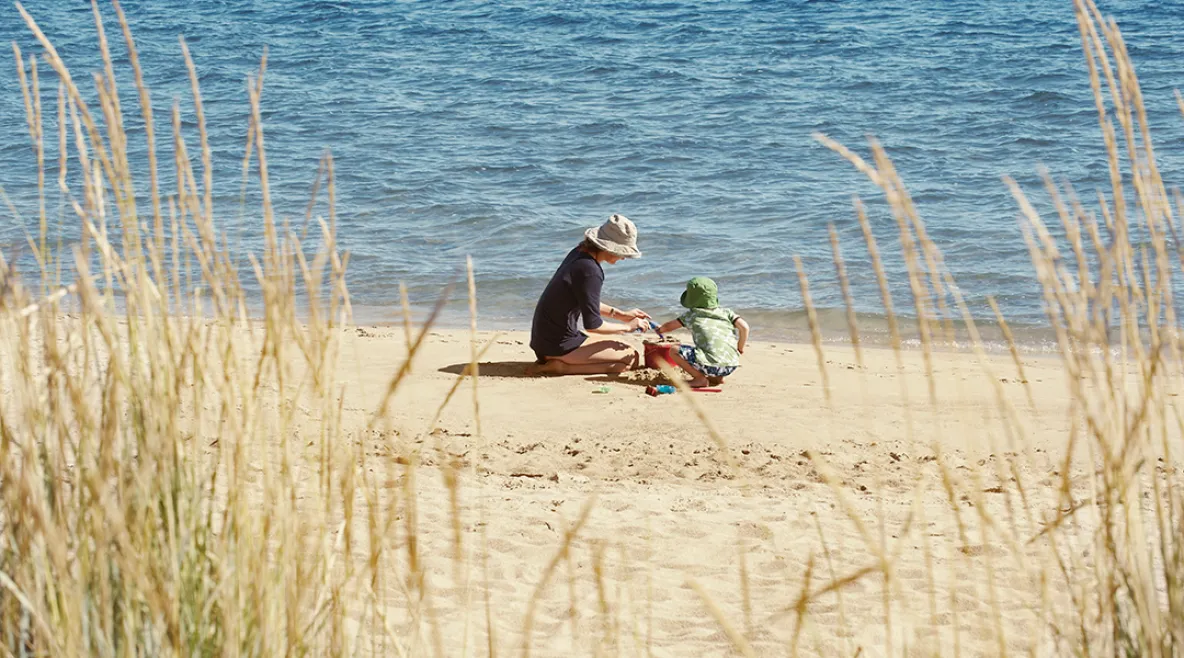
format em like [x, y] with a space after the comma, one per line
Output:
[688, 352]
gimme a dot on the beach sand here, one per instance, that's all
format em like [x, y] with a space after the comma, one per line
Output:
[670, 526]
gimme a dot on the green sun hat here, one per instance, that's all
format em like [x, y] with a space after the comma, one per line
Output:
[701, 292]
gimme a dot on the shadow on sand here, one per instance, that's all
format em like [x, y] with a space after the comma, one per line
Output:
[643, 377]
[515, 369]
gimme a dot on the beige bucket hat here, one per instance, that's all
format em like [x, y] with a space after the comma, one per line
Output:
[618, 235]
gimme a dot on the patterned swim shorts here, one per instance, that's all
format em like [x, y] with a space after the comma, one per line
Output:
[688, 352]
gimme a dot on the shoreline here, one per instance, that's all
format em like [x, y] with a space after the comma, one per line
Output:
[834, 338]
[777, 381]
[771, 325]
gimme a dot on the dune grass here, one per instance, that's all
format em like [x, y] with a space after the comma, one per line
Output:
[1111, 301]
[176, 478]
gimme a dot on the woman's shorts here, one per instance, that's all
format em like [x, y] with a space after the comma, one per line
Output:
[688, 352]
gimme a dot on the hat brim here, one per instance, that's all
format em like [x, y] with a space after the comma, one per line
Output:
[622, 250]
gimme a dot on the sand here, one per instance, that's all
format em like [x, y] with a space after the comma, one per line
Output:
[675, 527]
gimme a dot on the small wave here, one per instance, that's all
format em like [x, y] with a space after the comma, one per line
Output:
[599, 70]
[598, 128]
[571, 19]
[1033, 141]
[1045, 96]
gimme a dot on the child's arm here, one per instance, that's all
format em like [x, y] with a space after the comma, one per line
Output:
[742, 328]
[670, 326]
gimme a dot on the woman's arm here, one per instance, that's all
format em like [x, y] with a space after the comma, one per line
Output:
[618, 314]
[608, 328]
[637, 319]
[742, 328]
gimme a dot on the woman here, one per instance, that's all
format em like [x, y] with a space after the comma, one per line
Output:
[574, 294]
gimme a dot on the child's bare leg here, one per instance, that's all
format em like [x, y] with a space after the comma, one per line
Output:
[697, 378]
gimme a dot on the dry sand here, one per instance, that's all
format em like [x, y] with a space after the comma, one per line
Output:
[674, 525]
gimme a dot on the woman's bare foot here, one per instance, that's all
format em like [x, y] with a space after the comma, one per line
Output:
[715, 381]
[551, 367]
[699, 382]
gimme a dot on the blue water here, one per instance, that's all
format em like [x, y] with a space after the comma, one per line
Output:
[502, 130]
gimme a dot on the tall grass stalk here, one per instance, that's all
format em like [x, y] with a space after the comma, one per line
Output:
[155, 500]
[1115, 320]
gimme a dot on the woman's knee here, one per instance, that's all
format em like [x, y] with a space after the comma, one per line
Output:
[627, 356]
[611, 345]
[609, 350]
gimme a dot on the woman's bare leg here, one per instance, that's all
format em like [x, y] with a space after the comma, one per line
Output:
[592, 358]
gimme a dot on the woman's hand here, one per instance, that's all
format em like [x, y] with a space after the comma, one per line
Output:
[635, 313]
[608, 328]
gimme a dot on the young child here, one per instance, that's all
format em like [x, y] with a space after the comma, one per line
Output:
[719, 334]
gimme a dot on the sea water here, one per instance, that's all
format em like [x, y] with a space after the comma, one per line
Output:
[502, 130]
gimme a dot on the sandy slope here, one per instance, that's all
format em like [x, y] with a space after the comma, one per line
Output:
[670, 510]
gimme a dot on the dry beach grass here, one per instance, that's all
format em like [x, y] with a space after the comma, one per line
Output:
[181, 477]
